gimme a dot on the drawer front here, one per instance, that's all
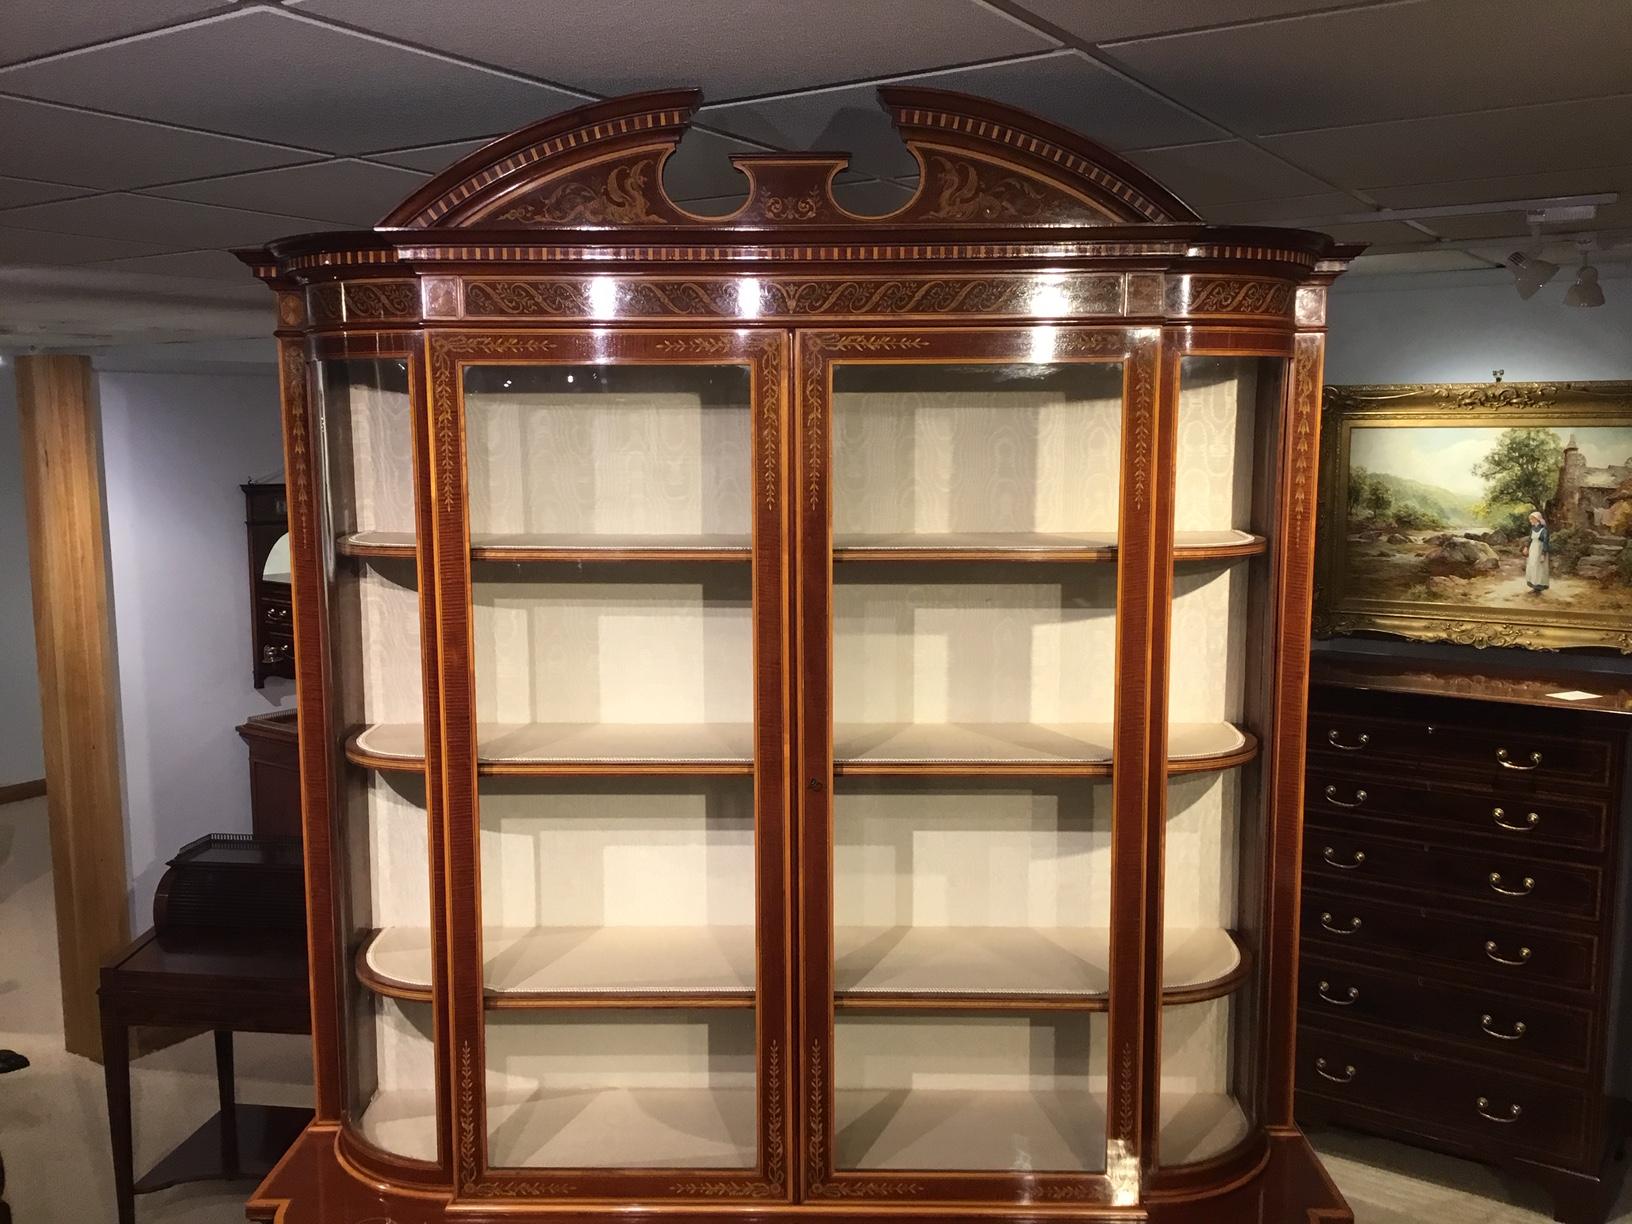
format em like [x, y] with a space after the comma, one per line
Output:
[1491, 1106]
[1532, 889]
[1573, 822]
[1491, 1023]
[1515, 957]
[1513, 755]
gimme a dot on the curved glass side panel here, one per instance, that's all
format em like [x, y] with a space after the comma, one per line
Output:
[1220, 670]
[377, 702]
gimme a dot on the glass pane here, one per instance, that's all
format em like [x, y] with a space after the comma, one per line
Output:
[609, 456]
[950, 454]
[974, 626]
[366, 461]
[618, 911]
[1228, 421]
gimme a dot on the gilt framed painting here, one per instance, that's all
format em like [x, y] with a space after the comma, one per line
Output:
[1495, 514]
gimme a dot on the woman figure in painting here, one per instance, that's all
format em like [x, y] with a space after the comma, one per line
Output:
[1537, 568]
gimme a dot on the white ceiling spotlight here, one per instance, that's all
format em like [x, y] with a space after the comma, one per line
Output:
[1530, 270]
[1586, 291]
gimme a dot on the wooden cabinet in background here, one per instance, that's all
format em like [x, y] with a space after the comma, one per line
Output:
[1463, 919]
[273, 742]
[271, 614]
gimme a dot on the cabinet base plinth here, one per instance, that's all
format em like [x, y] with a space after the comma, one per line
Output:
[311, 1185]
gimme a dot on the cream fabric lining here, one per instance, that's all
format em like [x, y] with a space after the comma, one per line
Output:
[623, 463]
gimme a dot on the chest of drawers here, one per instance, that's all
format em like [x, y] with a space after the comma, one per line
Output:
[1464, 898]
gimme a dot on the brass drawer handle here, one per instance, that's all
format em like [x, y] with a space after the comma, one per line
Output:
[1346, 1078]
[1519, 1029]
[1353, 992]
[1326, 922]
[1335, 742]
[1493, 951]
[1524, 889]
[1502, 822]
[1506, 762]
[1483, 1105]
[1331, 798]
[1358, 859]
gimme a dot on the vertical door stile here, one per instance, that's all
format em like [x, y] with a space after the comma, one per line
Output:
[773, 728]
[1164, 464]
[456, 748]
[303, 464]
[813, 781]
[437, 832]
[1295, 601]
[1139, 762]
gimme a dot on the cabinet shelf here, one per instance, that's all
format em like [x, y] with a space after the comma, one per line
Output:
[571, 748]
[888, 968]
[564, 547]
[899, 547]
[1031, 546]
[575, 1128]
[588, 966]
[1083, 749]
[1023, 968]
[1053, 1131]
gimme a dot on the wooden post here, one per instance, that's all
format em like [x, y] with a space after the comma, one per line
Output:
[79, 691]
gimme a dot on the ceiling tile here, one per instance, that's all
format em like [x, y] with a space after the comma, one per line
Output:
[1515, 226]
[1555, 136]
[267, 74]
[433, 158]
[1224, 172]
[873, 197]
[174, 224]
[28, 30]
[16, 191]
[1507, 187]
[701, 168]
[200, 265]
[1376, 233]
[1416, 261]
[25, 246]
[1066, 87]
[1102, 20]
[59, 144]
[729, 48]
[1394, 61]
[343, 192]
[1289, 210]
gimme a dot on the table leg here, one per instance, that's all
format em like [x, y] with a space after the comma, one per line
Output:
[116, 1074]
[227, 1090]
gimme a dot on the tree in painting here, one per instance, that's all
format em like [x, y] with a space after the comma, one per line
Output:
[1522, 468]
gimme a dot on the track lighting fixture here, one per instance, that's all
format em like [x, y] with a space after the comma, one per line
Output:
[1586, 291]
[1531, 271]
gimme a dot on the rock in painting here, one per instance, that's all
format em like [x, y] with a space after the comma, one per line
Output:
[1462, 559]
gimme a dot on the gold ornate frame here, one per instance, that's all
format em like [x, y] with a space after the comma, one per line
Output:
[1339, 612]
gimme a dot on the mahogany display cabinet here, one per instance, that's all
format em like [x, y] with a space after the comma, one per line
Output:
[802, 714]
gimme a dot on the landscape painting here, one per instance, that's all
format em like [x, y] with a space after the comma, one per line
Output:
[1510, 524]
[1445, 514]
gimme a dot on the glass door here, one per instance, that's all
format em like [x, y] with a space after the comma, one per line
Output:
[611, 509]
[960, 496]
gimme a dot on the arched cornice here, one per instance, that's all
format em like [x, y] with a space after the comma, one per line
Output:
[601, 166]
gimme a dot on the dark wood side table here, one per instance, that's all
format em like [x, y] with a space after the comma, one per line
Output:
[243, 981]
